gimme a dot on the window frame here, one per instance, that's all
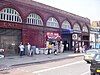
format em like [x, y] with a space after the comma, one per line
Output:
[52, 22]
[66, 25]
[34, 19]
[76, 27]
[8, 13]
[85, 29]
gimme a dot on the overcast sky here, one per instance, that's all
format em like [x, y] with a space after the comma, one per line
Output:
[84, 8]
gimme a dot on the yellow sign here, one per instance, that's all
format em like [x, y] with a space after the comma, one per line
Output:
[98, 70]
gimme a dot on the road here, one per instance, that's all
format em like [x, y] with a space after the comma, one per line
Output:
[71, 66]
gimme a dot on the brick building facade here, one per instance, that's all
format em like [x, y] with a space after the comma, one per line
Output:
[29, 21]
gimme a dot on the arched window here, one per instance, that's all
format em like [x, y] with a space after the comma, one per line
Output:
[85, 29]
[66, 25]
[9, 14]
[34, 19]
[76, 27]
[52, 22]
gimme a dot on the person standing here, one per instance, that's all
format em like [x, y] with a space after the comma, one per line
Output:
[49, 48]
[61, 47]
[56, 48]
[29, 49]
[81, 49]
[21, 47]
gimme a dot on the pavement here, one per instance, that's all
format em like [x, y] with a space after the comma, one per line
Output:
[11, 61]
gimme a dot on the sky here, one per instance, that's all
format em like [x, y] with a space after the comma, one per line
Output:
[85, 8]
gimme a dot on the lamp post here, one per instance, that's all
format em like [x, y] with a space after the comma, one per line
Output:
[95, 39]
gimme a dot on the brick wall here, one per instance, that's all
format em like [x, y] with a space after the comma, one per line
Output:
[35, 34]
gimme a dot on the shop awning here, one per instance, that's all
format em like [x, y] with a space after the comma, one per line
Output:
[67, 31]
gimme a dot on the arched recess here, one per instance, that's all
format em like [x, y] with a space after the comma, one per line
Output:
[10, 14]
[52, 22]
[85, 29]
[66, 25]
[34, 19]
[76, 27]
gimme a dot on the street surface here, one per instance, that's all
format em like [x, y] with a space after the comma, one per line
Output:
[70, 66]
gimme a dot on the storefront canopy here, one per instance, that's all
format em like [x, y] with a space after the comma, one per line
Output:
[67, 31]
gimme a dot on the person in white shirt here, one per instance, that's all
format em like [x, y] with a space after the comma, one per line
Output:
[61, 47]
[29, 49]
[21, 47]
[81, 49]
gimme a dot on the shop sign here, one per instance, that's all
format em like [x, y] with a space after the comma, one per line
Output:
[74, 36]
[51, 35]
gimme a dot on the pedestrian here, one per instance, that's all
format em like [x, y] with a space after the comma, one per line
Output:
[21, 47]
[29, 49]
[81, 49]
[49, 48]
[61, 47]
[56, 48]
[76, 48]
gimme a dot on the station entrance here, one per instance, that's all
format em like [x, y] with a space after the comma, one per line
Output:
[9, 41]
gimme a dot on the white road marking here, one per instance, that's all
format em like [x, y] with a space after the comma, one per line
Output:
[85, 73]
[44, 70]
[75, 54]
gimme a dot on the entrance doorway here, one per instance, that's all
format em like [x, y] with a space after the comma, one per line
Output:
[66, 46]
[67, 41]
[9, 40]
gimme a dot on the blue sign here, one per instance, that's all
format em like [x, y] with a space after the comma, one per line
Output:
[67, 31]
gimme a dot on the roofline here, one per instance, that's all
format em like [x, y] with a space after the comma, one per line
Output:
[44, 6]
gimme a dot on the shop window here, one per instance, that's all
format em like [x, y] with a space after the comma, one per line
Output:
[34, 19]
[52, 22]
[8, 14]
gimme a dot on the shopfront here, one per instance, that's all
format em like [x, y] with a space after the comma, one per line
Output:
[9, 40]
[66, 36]
[77, 42]
[52, 37]
[41, 23]
[76, 36]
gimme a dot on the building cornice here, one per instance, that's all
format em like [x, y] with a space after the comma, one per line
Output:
[50, 8]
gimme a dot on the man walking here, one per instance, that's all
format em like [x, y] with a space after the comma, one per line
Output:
[21, 47]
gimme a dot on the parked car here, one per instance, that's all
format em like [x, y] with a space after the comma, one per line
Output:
[95, 65]
[1, 53]
[1, 56]
[89, 54]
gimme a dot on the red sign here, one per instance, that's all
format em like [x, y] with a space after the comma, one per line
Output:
[51, 35]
